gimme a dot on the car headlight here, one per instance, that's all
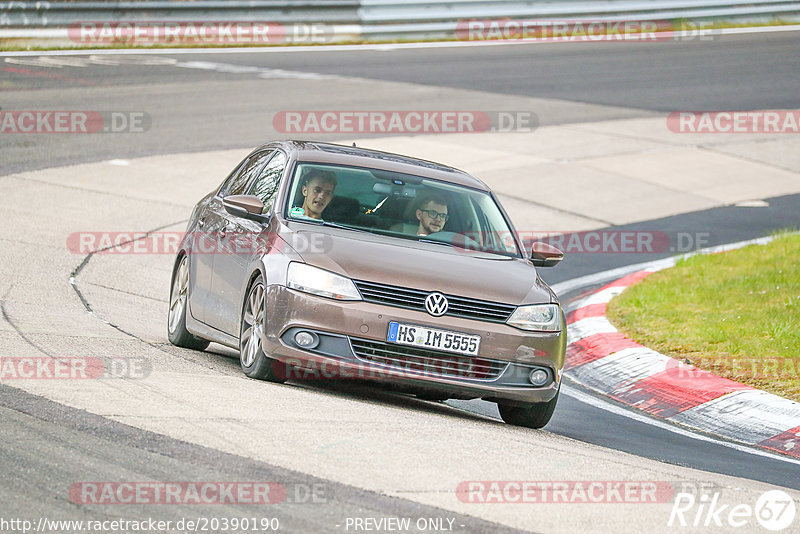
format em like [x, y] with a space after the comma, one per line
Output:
[538, 317]
[310, 279]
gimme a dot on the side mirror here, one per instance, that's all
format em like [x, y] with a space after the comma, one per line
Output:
[544, 255]
[245, 206]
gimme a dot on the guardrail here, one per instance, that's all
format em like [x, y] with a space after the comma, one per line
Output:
[54, 14]
[391, 19]
[373, 20]
[383, 11]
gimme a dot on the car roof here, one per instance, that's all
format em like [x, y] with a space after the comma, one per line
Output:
[319, 152]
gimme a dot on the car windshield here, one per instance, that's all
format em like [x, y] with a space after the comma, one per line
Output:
[399, 205]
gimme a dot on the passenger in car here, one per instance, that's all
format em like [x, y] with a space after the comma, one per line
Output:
[431, 214]
[318, 186]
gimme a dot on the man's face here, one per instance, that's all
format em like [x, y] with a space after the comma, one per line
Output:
[430, 222]
[318, 194]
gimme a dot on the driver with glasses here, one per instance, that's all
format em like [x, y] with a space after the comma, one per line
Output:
[431, 214]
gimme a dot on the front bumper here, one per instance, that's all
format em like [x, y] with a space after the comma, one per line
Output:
[351, 335]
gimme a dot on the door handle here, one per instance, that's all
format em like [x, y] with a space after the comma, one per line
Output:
[230, 227]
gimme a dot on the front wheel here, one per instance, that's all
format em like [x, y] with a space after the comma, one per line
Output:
[535, 415]
[255, 363]
[178, 305]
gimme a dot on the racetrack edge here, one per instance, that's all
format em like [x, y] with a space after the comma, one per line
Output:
[603, 360]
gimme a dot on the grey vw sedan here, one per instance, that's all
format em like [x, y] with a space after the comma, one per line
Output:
[317, 260]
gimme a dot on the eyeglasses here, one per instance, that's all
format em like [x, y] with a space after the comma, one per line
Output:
[433, 214]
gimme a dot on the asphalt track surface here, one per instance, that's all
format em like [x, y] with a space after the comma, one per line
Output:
[62, 445]
[208, 109]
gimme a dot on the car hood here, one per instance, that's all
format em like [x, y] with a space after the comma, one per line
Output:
[419, 265]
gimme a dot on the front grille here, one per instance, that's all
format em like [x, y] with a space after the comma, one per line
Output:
[414, 299]
[427, 362]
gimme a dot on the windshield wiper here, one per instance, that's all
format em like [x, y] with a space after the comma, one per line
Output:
[465, 247]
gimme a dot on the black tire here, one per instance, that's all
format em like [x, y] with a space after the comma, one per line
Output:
[254, 362]
[178, 304]
[535, 415]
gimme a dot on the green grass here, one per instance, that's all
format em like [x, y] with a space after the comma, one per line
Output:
[735, 314]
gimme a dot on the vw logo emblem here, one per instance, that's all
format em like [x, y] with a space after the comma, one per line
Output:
[436, 304]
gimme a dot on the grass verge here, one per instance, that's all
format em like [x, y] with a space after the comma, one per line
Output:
[735, 314]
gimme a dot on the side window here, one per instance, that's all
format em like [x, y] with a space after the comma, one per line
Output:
[237, 183]
[226, 184]
[266, 186]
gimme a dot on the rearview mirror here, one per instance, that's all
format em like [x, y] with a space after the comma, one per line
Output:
[394, 190]
[545, 255]
[245, 206]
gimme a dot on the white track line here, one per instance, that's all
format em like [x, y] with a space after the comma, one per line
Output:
[619, 272]
[640, 418]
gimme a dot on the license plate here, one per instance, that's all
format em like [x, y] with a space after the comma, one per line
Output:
[433, 338]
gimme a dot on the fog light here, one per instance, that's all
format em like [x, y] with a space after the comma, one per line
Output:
[307, 340]
[539, 377]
